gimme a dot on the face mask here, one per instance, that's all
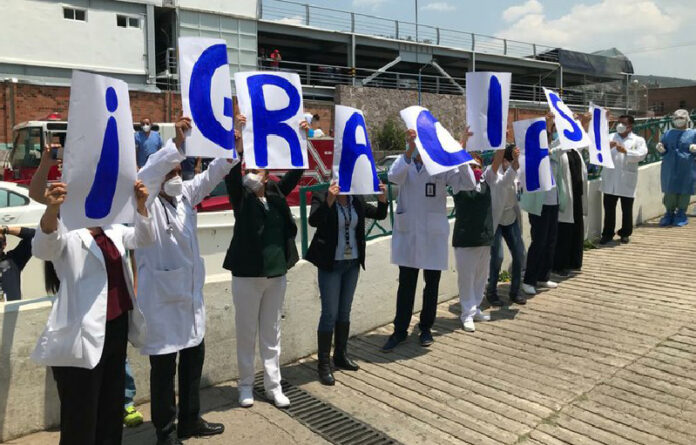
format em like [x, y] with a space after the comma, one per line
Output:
[253, 181]
[477, 174]
[146, 128]
[174, 187]
[554, 135]
[679, 122]
[621, 128]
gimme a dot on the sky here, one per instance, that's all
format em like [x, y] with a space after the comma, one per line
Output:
[654, 34]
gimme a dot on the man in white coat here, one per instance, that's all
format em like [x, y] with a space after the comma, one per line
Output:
[171, 275]
[627, 150]
[420, 238]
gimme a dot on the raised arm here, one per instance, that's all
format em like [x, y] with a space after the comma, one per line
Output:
[289, 180]
[235, 188]
[203, 183]
[398, 172]
[378, 212]
[37, 186]
[143, 233]
[49, 242]
[322, 202]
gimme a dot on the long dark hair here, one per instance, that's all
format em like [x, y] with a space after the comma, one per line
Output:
[51, 280]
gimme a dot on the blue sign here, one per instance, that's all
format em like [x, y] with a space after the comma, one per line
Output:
[200, 101]
[273, 122]
[495, 112]
[534, 154]
[427, 133]
[351, 150]
[597, 124]
[576, 133]
[101, 195]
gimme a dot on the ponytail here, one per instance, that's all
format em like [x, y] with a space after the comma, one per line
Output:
[51, 280]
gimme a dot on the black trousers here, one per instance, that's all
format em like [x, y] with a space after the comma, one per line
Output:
[162, 370]
[91, 400]
[570, 243]
[405, 296]
[544, 230]
[610, 216]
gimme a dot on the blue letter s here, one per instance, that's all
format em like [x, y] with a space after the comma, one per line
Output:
[576, 134]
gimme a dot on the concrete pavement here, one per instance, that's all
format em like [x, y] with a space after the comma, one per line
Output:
[607, 358]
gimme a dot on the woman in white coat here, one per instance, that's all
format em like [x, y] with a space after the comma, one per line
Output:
[420, 238]
[93, 316]
[171, 275]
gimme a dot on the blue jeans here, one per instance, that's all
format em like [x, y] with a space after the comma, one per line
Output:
[336, 289]
[130, 386]
[513, 239]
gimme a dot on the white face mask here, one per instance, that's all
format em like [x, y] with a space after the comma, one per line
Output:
[146, 128]
[253, 181]
[621, 128]
[174, 187]
[679, 122]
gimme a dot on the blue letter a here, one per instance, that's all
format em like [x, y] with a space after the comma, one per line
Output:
[351, 151]
[200, 101]
[272, 122]
[534, 154]
[427, 133]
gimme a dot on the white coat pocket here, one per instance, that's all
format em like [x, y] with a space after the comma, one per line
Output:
[173, 286]
[437, 223]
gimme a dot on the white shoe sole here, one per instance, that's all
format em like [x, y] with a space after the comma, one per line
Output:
[246, 403]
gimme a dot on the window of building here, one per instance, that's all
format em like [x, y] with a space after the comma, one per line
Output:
[75, 14]
[124, 21]
[682, 104]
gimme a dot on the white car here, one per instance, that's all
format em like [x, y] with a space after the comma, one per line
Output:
[16, 208]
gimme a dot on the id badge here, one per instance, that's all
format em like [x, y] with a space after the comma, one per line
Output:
[430, 189]
[348, 252]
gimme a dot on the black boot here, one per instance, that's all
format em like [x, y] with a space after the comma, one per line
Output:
[341, 359]
[324, 367]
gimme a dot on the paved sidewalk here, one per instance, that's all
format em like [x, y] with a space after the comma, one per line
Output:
[607, 358]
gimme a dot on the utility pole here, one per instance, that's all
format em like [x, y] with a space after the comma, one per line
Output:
[416, 20]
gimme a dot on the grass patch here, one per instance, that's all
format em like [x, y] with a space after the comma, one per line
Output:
[590, 244]
[504, 277]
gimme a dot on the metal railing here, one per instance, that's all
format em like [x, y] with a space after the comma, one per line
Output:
[303, 14]
[312, 74]
[651, 129]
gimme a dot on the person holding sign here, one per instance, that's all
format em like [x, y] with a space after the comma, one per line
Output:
[420, 237]
[619, 183]
[338, 251]
[507, 225]
[261, 252]
[171, 275]
[678, 171]
[94, 315]
[472, 237]
[543, 208]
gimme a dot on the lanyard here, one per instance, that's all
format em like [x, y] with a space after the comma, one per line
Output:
[347, 219]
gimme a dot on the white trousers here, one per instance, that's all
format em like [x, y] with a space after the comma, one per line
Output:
[472, 275]
[258, 302]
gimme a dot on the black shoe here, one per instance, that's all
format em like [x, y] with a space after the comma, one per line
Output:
[426, 337]
[518, 299]
[495, 301]
[201, 429]
[340, 357]
[625, 240]
[393, 342]
[562, 273]
[605, 239]
[324, 366]
[170, 440]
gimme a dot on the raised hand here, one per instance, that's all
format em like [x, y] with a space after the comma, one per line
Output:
[181, 126]
[382, 197]
[55, 194]
[141, 195]
[331, 197]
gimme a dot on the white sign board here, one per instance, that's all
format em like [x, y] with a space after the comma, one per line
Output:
[487, 103]
[99, 157]
[570, 132]
[272, 104]
[438, 149]
[206, 97]
[600, 151]
[535, 165]
[353, 164]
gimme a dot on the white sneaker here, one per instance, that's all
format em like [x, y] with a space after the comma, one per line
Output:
[278, 398]
[528, 289]
[468, 325]
[480, 316]
[548, 284]
[246, 396]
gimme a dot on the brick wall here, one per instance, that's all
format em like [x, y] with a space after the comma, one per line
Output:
[35, 102]
[666, 100]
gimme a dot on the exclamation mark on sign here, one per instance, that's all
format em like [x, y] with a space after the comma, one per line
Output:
[101, 195]
[597, 123]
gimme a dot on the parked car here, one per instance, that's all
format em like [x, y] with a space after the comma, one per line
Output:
[16, 208]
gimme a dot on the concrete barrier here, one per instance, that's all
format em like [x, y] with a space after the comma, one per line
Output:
[28, 398]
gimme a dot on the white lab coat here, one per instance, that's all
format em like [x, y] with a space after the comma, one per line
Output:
[566, 215]
[74, 333]
[623, 178]
[421, 230]
[503, 189]
[171, 272]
